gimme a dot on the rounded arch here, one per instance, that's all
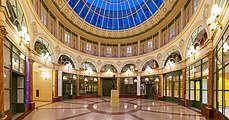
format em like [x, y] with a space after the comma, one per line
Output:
[171, 48]
[90, 61]
[148, 59]
[173, 55]
[193, 28]
[108, 62]
[132, 67]
[128, 62]
[43, 48]
[69, 54]
[107, 67]
[43, 36]
[196, 41]
[65, 59]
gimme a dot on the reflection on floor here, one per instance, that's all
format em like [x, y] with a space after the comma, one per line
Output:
[16, 116]
[99, 109]
[41, 103]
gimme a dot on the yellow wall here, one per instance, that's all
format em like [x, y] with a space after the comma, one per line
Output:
[226, 88]
[44, 86]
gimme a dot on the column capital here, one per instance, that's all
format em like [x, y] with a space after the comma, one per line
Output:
[209, 44]
[210, 54]
[3, 32]
[31, 61]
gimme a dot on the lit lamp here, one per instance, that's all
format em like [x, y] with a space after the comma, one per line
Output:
[225, 47]
[135, 80]
[74, 77]
[85, 79]
[157, 80]
[95, 79]
[126, 81]
[24, 36]
[45, 75]
[147, 79]
[64, 77]
[213, 20]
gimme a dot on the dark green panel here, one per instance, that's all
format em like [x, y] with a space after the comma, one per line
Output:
[107, 85]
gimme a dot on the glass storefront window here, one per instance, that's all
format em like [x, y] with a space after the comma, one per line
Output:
[221, 75]
[15, 62]
[88, 85]
[128, 86]
[172, 84]
[7, 53]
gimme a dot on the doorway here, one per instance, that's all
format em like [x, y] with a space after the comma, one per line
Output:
[17, 93]
[195, 93]
[107, 86]
[150, 91]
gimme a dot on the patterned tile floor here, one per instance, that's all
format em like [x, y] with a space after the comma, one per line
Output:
[99, 109]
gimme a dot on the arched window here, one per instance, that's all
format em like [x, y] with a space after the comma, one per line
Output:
[129, 67]
[150, 63]
[108, 68]
[17, 16]
[171, 57]
[87, 66]
[196, 41]
[67, 61]
[43, 48]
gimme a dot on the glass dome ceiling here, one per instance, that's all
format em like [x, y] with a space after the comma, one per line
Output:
[115, 14]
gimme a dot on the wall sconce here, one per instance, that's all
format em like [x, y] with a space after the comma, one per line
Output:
[95, 79]
[65, 78]
[192, 51]
[89, 70]
[45, 75]
[46, 57]
[213, 20]
[24, 36]
[128, 72]
[109, 72]
[148, 70]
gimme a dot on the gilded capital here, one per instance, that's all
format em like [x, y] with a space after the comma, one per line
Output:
[3, 32]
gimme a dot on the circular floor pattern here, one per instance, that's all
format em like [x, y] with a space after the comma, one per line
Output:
[99, 109]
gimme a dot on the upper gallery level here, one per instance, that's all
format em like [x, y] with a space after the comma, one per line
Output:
[164, 21]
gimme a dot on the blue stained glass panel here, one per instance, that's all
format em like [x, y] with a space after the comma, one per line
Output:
[115, 14]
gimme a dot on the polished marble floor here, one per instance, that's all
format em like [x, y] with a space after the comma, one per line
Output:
[99, 109]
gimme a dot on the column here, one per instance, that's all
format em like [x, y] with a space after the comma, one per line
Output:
[139, 86]
[78, 85]
[78, 41]
[119, 83]
[139, 47]
[183, 86]
[182, 18]
[160, 85]
[55, 83]
[99, 85]
[3, 34]
[99, 49]
[32, 104]
[119, 50]
[159, 38]
[210, 79]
